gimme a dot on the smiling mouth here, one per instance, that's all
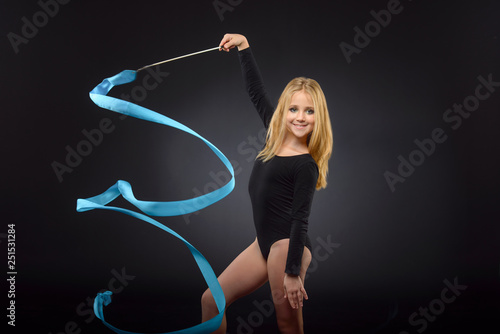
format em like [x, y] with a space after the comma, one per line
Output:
[300, 126]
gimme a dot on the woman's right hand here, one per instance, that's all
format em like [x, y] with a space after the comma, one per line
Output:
[229, 41]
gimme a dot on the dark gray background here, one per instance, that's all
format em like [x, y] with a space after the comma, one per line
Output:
[396, 248]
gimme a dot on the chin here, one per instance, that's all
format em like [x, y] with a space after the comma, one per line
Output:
[301, 136]
[299, 133]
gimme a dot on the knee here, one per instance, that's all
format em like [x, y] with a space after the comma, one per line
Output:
[279, 299]
[207, 300]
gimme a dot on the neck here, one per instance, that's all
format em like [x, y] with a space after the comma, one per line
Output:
[294, 144]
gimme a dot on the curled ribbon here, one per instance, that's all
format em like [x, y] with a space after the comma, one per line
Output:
[171, 208]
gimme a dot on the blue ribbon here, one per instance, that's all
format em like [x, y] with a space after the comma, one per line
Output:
[171, 208]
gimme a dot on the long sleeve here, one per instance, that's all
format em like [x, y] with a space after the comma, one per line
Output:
[304, 188]
[255, 86]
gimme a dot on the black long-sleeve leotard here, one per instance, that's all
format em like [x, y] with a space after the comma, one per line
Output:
[281, 189]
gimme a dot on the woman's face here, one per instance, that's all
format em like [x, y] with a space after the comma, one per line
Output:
[300, 115]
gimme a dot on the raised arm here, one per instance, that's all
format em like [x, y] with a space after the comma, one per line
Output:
[251, 75]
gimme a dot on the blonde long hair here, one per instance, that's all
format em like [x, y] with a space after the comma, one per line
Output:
[320, 140]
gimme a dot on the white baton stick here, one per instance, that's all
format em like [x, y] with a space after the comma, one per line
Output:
[188, 55]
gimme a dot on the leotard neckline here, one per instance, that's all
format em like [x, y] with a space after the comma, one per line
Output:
[291, 156]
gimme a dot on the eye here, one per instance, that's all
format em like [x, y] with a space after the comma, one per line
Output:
[292, 109]
[310, 112]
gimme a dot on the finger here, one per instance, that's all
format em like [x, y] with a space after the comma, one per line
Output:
[292, 302]
[224, 40]
[228, 46]
[300, 298]
[229, 43]
[295, 301]
[305, 294]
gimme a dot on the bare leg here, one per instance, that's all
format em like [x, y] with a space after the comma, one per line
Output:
[289, 320]
[245, 274]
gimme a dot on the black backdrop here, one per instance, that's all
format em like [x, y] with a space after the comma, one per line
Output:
[384, 258]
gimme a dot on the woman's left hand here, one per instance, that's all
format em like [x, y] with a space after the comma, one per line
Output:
[294, 291]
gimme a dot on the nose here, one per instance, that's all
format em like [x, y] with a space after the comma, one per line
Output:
[301, 116]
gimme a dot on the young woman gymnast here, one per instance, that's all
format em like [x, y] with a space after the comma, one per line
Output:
[286, 173]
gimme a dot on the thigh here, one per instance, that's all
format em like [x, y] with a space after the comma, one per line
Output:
[276, 263]
[245, 274]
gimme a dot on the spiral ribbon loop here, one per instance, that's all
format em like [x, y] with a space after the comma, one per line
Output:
[152, 208]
